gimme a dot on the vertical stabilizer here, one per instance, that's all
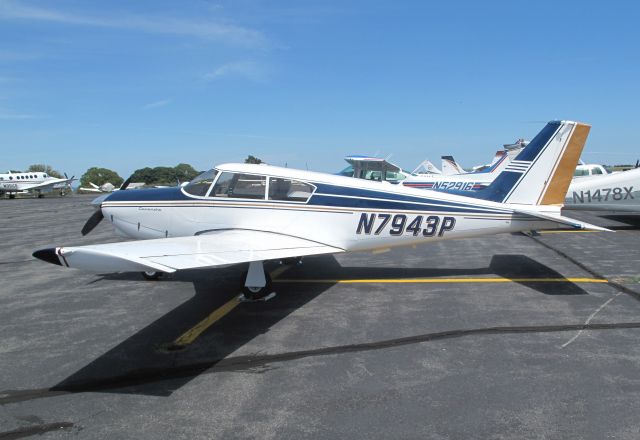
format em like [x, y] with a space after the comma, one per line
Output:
[541, 173]
[450, 167]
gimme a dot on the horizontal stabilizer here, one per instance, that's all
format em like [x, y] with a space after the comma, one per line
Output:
[557, 218]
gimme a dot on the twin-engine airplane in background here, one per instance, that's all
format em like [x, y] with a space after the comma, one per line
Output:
[241, 213]
[36, 182]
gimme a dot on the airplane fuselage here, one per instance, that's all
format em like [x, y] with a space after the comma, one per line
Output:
[341, 212]
[36, 181]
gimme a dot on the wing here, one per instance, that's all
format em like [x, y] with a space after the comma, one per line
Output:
[47, 185]
[219, 248]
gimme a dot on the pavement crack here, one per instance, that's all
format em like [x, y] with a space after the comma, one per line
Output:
[593, 315]
[261, 363]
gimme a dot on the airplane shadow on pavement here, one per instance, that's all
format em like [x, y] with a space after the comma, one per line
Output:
[144, 364]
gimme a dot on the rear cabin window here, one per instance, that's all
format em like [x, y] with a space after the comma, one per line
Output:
[240, 186]
[201, 184]
[289, 190]
[581, 172]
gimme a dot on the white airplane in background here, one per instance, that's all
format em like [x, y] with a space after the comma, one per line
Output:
[426, 167]
[450, 166]
[104, 188]
[109, 187]
[373, 168]
[605, 192]
[466, 181]
[244, 213]
[36, 182]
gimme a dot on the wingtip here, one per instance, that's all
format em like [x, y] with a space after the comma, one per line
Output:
[49, 255]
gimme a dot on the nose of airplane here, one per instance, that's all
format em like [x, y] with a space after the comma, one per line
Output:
[98, 200]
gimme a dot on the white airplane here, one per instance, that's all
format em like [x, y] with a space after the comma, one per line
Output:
[606, 192]
[104, 188]
[36, 182]
[373, 168]
[109, 187]
[242, 213]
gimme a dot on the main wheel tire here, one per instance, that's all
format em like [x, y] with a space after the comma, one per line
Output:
[257, 292]
[151, 275]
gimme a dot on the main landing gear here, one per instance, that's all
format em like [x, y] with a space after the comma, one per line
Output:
[152, 275]
[257, 285]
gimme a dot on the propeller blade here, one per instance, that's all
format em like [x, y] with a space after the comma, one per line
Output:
[125, 184]
[65, 176]
[92, 222]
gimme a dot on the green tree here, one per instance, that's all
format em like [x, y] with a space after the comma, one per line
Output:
[42, 168]
[164, 175]
[100, 176]
[252, 159]
[185, 172]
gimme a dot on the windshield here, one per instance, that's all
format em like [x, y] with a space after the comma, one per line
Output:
[200, 185]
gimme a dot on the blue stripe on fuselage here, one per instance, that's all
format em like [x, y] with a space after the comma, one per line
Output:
[366, 193]
[147, 195]
[325, 195]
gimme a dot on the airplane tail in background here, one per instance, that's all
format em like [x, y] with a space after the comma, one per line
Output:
[541, 173]
[450, 167]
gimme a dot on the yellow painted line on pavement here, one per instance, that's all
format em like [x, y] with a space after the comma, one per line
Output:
[447, 280]
[192, 334]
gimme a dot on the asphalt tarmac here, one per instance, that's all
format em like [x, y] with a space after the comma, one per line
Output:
[511, 336]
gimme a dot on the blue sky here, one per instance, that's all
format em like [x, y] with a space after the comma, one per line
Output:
[126, 84]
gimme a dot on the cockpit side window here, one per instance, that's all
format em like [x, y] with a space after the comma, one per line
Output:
[240, 186]
[596, 170]
[289, 190]
[201, 184]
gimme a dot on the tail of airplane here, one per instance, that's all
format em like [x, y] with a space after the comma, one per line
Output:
[428, 167]
[450, 167]
[541, 173]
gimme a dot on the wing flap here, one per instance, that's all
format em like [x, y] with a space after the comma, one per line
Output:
[218, 248]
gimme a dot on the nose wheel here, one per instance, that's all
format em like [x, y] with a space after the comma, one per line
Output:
[258, 284]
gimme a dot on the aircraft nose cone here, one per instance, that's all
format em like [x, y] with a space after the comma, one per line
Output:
[49, 255]
[98, 200]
